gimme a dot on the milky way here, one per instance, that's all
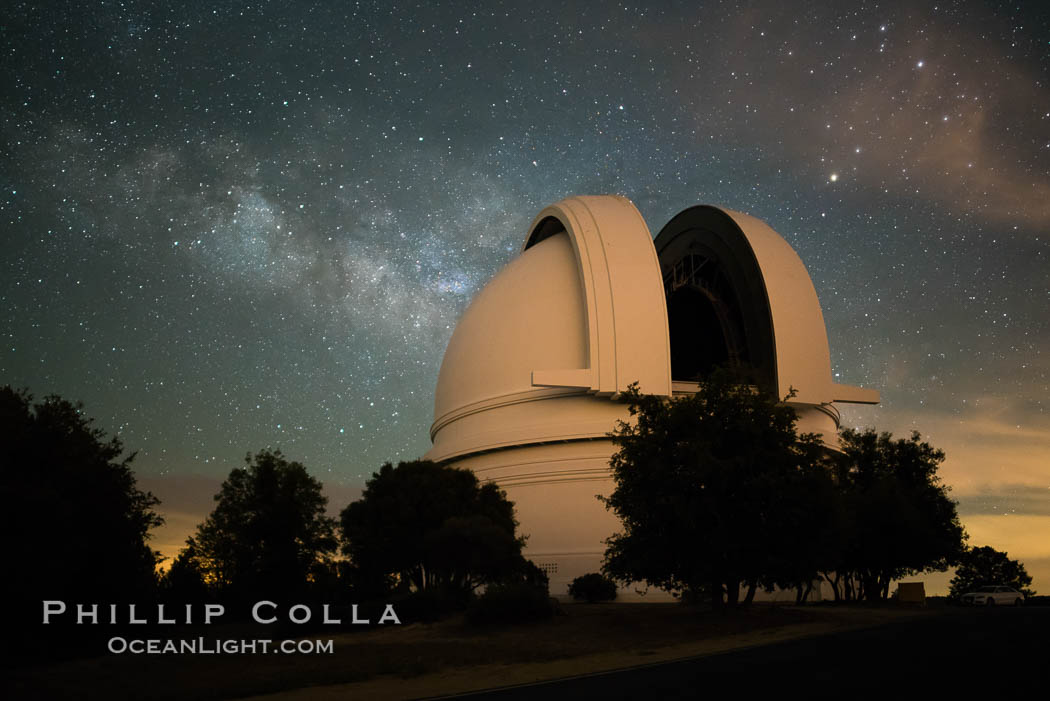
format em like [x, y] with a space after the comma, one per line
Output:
[229, 226]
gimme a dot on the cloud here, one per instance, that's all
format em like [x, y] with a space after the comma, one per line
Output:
[1021, 536]
[938, 133]
[920, 108]
[986, 446]
[1005, 500]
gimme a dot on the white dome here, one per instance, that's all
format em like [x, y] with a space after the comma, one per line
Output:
[574, 320]
[530, 316]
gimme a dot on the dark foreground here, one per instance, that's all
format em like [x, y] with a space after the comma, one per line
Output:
[953, 649]
[844, 652]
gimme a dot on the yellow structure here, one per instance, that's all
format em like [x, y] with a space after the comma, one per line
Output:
[591, 305]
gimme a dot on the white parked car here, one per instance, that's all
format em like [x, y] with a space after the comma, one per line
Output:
[992, 595]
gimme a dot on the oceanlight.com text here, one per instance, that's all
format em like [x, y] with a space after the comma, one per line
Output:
[203, 646]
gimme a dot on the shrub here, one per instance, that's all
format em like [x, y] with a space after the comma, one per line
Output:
[512, 602]
[592, 588]
[428, 605]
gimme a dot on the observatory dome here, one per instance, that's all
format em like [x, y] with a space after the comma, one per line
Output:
[531, 315]
[577, 317]
[592, 305]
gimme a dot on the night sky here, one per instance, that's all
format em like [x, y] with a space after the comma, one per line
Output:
[235, 225]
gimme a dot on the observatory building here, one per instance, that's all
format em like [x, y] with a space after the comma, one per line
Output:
[592, 304]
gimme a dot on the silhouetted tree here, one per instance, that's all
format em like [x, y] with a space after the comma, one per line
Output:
[268, 535]
[184, 582]
[520, 597]
[592, 588]
[811, 509]
[986, 565]
[711, 489]
[429, 526]
[898, 518]
[73, 523]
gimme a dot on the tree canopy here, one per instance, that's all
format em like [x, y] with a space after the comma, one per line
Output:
[427, 525]
[73, 522]
[592, 588]
[716, 490]
[268, 534]
[897, 517]
[711, 489]
[985, 565]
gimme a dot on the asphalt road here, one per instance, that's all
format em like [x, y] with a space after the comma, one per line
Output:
[955, 650]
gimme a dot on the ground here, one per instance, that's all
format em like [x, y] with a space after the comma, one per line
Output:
[445, 657]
